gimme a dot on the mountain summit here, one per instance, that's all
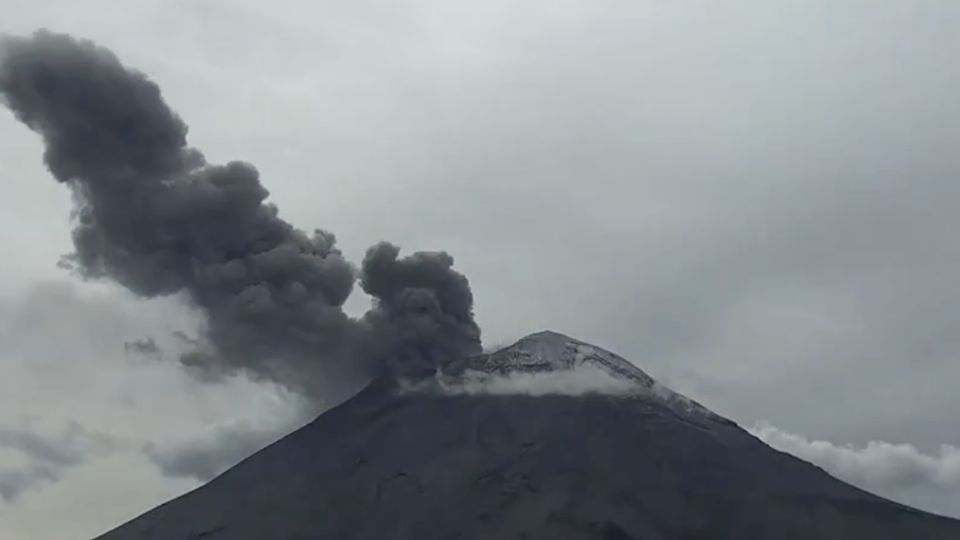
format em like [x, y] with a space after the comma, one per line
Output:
[550, 438]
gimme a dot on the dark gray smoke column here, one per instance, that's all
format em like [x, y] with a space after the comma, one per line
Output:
[153, 215]
[423, 306]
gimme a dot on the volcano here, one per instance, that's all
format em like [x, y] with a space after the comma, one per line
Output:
[550, 438]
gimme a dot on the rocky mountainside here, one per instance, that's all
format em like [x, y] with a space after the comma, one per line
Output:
[551, 438]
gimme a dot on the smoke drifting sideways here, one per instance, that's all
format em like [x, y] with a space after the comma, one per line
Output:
[154, 216]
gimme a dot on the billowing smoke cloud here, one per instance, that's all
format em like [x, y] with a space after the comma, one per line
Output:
[153, 215]
[424, 307]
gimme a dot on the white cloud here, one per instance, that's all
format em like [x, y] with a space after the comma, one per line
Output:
[585, 379]
[205, 455]
[34, 455]
[900, 472]
[89, 499]
[77, 409]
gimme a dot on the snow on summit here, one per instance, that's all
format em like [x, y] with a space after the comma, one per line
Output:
[550, 363]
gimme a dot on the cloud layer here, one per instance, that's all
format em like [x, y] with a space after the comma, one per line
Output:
[897, 471]
[216, 450]
[584, 379]
[40, 455]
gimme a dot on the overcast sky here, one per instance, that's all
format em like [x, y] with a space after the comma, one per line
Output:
[755, 201]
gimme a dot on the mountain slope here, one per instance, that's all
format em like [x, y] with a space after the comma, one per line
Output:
[475, 460]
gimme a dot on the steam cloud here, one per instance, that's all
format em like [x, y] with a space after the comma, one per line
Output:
[581, 380]
[153, 215]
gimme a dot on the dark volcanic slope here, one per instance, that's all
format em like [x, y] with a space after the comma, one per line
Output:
[644, 465]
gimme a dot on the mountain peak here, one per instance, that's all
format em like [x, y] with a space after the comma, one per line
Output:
[483, 452]
[549, 362]
[552, 351]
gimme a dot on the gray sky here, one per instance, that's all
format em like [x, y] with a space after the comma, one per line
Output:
[754, 201]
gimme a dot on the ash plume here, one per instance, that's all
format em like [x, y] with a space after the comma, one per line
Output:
[423, 306]
[152, 214]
